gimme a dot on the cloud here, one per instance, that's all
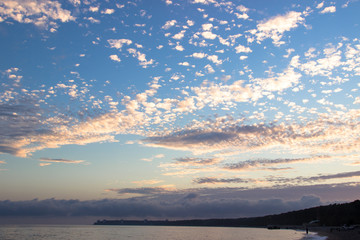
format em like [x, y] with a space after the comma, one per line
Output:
[207, 27]
[93, 8]
[282, 81]
[214, 59]
[192, 161]
[108, 11]
[119, 43]
[115, 58]
[213, 180]
[179, 48]
[141, 57]
[185, 204]
[275, 27]
[320, 5]
[330, 9]
[322, 66]
[206, 2]
[186, 64]
[75, 2]
[199, 55]
[208, 35]
[153, 157]
[241, 48]
[19, 122]
[169, 24]
[41, 13]
[209, 69]
[48, 161]
[140, 191]
[179, 35]
[269, 162]
[320, 136]
[329, 176]
[275, 181]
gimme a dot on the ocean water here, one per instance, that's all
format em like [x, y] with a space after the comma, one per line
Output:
[71, 232]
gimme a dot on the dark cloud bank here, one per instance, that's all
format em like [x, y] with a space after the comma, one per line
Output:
[193, 203]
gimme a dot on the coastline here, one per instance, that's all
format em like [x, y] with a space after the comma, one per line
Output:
[332, 234]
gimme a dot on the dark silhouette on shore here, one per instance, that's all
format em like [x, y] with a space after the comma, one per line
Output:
[330, 215]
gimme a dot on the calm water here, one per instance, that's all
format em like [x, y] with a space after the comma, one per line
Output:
[61, 232]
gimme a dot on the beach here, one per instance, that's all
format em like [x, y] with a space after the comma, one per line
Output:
[338, 235]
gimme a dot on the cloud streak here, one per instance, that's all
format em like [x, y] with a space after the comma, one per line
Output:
[49, 161]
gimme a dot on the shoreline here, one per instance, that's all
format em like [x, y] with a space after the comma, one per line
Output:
[332, 234]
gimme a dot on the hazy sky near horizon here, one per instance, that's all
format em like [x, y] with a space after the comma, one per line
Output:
[168, 108]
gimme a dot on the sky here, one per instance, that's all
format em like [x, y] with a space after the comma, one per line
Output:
[170, 109]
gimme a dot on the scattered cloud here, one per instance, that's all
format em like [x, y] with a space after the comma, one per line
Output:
[275, 27]
[40, 13]
[330, 9]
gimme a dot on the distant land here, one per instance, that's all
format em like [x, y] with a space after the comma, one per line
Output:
[330, 215]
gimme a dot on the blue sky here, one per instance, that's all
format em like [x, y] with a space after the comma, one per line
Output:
[177, 109]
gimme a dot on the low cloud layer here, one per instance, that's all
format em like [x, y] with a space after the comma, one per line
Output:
[158, 203]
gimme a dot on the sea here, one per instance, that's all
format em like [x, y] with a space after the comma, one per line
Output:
[93, 232]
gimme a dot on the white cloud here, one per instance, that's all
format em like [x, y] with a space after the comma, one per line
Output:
[241, 48]
[209, 68]
[199, 55]
[357, 100]
[289, 51]
[118, 43]
[75, 2]
[179, 48]
[41, 13]
[214, 59]
[115, 58]
[330, 9]
[242, 16]
[322, 66]
[275, 27]
[179, 35]
[207, 26]
[320, 5]
[93, 8]
[184, 64]
[108, 11]
[141, 57]
[190, 22]
[93, 20]
[206, 2]
[242, 8]
[169, 24]
[281, 82]
[208, 35]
